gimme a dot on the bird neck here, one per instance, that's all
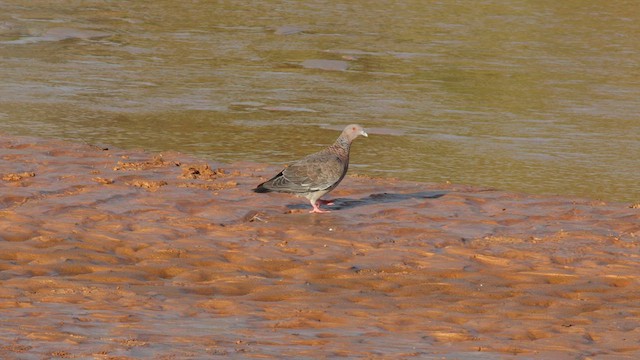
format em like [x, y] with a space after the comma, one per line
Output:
[341, 148]
[343, 142]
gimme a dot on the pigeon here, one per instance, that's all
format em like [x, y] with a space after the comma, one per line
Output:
[315, 175]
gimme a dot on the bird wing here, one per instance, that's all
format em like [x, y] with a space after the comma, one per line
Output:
[316, 172]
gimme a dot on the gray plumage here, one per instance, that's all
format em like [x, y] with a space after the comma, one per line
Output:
[315, 175]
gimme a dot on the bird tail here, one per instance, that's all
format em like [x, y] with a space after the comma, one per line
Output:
[261, 189]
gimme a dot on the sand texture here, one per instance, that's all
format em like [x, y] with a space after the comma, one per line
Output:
[113, 254]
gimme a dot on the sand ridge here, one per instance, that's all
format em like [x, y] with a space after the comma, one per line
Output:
[114, 254]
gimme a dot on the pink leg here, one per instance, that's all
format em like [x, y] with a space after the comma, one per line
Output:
[325, 202]
[316, 208]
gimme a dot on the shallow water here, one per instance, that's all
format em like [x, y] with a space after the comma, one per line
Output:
[538, 97]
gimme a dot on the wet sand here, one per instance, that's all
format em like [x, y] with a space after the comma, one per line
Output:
[114, 254]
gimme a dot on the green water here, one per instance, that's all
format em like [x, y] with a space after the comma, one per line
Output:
[530, 96]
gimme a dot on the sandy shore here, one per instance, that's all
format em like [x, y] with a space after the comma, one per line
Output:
[113, 254]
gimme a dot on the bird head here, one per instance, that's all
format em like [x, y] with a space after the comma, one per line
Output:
[353, 131]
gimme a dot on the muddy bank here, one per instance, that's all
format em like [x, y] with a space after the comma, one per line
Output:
[115, 254]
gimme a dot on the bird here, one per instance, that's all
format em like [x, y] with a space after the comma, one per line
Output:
[317, 174]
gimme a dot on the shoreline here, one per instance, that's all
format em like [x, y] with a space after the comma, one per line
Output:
[128, 254]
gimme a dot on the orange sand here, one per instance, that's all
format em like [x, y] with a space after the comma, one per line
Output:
[113, 254]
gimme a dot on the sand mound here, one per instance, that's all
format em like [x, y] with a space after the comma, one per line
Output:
[124, 254]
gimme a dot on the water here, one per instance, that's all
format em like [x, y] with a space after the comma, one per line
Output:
[537, 97]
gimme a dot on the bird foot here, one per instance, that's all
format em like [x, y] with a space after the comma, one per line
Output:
[318, 211]
[316, 208]
[325, 202]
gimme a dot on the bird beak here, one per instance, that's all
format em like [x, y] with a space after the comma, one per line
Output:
[363, 133]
